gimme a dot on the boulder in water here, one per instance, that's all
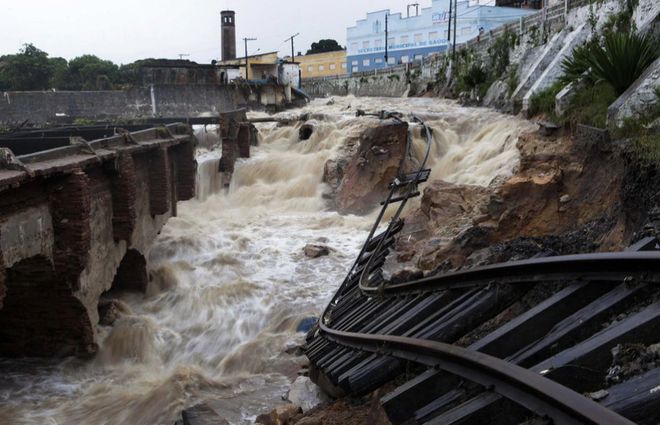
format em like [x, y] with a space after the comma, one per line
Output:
[306, 394]
[280, 415]
[202, 414]
[109, 311]
[315, 251]
[376, 163]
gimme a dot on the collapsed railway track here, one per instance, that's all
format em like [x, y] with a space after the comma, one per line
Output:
[469, 357]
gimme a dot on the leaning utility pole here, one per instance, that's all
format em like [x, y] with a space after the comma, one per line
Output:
[291, 38]
[247, 69]
[386, 62]
[453, 45]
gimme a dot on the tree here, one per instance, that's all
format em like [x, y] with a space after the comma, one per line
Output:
[60, 68]
[29, 69]
[88, 72]
[325, 45]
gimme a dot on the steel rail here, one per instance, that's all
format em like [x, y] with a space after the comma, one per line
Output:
[529, 389]
[366, 272]
[615, 266]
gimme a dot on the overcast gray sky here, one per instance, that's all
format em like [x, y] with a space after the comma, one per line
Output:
[126, 30]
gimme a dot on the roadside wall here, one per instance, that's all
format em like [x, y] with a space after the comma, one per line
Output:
[390, 84]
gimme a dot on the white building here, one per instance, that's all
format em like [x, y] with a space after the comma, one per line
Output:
[412, 38]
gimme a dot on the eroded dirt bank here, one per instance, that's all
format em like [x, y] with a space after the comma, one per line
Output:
[565, 194]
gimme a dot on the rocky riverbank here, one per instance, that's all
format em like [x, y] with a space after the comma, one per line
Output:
[568, 194]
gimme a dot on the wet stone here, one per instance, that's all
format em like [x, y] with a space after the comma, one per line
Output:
[202, 414]
[281, 415]
[315, 251]
[109, 312]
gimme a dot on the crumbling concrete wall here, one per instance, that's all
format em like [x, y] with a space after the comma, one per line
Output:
[78, 226]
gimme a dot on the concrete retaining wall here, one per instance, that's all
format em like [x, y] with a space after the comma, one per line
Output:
[156, 101]
[387, 85]
[639, 99]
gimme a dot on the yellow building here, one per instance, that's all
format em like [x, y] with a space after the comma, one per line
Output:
[322, 64]
[260, 64]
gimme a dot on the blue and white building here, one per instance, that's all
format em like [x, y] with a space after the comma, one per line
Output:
[412, 38]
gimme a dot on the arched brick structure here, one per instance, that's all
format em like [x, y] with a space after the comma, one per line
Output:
[40, 316]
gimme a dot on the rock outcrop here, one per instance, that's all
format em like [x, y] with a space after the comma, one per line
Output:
[568, 196]
[365, 178]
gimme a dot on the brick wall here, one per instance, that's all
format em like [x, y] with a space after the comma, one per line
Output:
[41, 316]
[70, 207]
[186, 170]
[159, 182]
[123, 198]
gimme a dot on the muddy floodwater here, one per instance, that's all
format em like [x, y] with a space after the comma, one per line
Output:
[230, 282]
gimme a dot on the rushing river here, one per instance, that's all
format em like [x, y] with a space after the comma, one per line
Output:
[231, 282]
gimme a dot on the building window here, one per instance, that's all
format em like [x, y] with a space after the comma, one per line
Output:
[354, 46]
[354, 63]
[391, 60]
[433, 35]
[310, 68]
[418, 57]
[378, 42]
[343, 65]
[321, 68]
[365, 62]
[378, 60]
[332, 66]
[390, 41]
[404, 39]
[365, 44]
[405, 59]
[355, 69]
[418, 38]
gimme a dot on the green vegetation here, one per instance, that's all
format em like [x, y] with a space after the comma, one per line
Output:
[544, 101]
[499, 52]
[622, 21]
[474, 76]
[647, 148]
[512, 80]
[325, 45]
[32, 69]
[589, 106]
[621, 59]
[576, 65]
[606, 66]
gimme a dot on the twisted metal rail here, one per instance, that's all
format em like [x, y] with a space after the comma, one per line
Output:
[529, 389]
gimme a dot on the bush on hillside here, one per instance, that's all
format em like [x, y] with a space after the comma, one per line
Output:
[619, 60]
